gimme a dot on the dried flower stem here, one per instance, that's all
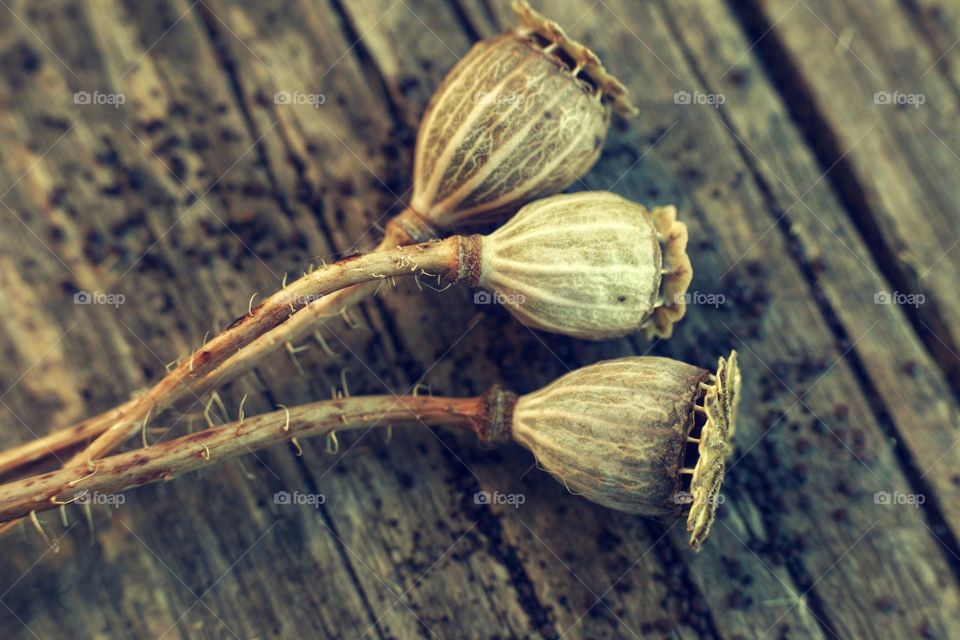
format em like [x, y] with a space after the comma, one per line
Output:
[405, 229]
[625, 433]
[464, 172]
[441, 257]
[166, 460]
[566, 91]
[61, 439]
[450, 259]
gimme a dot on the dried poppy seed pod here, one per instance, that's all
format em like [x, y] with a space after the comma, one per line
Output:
[621, 433]
[591, 265]
[630, 433]
[522, 115]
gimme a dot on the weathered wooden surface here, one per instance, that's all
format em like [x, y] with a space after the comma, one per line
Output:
[803, 196]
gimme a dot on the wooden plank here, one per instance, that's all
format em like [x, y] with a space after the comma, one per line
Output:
[554, 545]
[894, 360]
[901, 377]
[715, 183]
[101, 199]
[311, 187]
[923, 401]
[898, 104]
[411, 316]
[907, 390]
[558, 548]
[727, 577]
[331, 160]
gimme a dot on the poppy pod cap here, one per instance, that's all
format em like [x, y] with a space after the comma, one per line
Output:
[644, 435]
[591, 265]
[522, 115]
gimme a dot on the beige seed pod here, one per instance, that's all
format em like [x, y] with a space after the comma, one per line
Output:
[591, 265]
[644, 435]
[523, 114]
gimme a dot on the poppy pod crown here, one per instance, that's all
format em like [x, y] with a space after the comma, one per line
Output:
[591, 265]
[644, 435]
[523, 114]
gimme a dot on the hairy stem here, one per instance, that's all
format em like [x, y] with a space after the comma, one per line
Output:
[441, 257]
[452, 259]
[404, 229]
[60, 440]
[163, 461]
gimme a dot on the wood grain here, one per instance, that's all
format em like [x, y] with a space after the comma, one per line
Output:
[200, 190]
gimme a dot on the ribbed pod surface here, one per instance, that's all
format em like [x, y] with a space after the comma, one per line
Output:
[585, 264]
[508, 124]
[615, 432]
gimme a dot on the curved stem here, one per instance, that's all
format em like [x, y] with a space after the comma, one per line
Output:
[405, 229]
[166, 460]
[58, 441]
[440, 257]
[447, 259]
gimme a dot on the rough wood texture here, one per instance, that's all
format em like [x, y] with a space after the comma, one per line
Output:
[803, 199]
